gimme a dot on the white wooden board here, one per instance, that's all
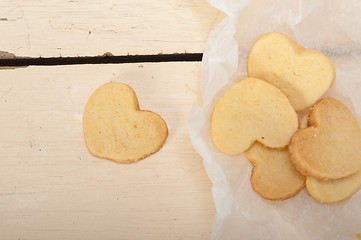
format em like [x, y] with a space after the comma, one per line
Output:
[93, 27]
[52, 188]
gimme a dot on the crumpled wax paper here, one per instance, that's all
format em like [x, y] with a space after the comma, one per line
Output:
[333, 27]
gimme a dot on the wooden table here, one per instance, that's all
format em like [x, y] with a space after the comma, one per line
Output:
[51, 187]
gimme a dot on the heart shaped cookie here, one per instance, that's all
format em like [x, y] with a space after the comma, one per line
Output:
[330, 147]
[335, 190]
[252, 110]
[302, 74]
[115, 128]
[273, 175]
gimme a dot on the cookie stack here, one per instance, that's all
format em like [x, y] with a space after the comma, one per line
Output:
[258, 116]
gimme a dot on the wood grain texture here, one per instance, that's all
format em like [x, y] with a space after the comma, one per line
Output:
[93, 27]
[51, 187]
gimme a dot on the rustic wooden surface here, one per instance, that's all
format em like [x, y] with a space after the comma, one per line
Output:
[51, 187]
[93, 27]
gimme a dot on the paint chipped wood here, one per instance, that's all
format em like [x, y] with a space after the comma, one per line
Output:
[93, 27]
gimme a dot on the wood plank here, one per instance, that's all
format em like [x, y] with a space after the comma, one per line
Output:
[51, 187]
[93, 27]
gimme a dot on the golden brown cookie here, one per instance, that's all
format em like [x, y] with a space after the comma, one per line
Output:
[302, 74]
[252, 110]
[330, 147]
[333, 191]
[273, 175]
[115, 128]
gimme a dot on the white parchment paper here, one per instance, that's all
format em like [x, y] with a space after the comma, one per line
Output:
[333, 27]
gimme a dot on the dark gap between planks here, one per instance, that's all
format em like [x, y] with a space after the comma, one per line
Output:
[176, 57]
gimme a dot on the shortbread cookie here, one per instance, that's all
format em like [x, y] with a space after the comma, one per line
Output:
[273, 175]
[333, 191]
[302, 74]
[115, 128]
[252, 110]
[330, 147]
